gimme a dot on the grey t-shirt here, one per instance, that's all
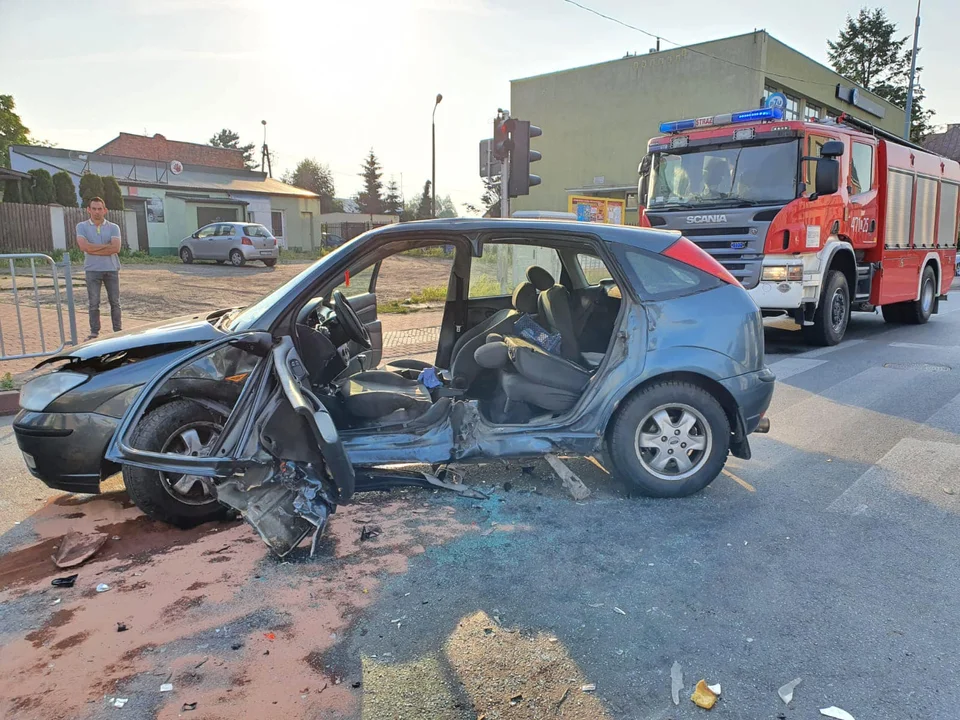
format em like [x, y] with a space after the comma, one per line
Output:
[100, 236]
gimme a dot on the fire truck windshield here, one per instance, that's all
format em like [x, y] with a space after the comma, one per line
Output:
[732, 174]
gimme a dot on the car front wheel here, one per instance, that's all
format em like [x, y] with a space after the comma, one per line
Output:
[180, 427]
[670, 440]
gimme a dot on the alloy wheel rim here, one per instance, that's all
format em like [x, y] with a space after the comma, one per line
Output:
[194, 439]
[673, 441]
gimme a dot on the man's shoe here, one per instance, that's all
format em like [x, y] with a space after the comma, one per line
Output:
[93, 336]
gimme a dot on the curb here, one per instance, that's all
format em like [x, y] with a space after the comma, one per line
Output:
[9, 402]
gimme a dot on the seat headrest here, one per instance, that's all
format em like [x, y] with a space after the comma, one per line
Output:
[492, 355]
[540, 278]
[525, 299]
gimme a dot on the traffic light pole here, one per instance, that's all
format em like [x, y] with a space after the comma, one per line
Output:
[505, 188]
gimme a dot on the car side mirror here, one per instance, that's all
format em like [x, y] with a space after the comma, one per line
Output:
[828, 177]
[195, 235]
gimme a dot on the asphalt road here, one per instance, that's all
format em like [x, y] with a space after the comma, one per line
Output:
[830, 556]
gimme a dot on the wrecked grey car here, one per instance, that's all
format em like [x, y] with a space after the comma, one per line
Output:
[555, 338]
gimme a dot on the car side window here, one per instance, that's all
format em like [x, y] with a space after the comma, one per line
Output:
[207, 231]
[225, 230]
[503, 266]
[861, 168]
[594, 269]
[659, 278]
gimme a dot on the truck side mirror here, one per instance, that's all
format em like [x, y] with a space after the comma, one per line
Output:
[828, 177]
[832, 149]
[643, 185]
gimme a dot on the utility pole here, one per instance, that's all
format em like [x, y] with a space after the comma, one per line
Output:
[913, 71]
[433, 158]
[505, 176]
[265, 152]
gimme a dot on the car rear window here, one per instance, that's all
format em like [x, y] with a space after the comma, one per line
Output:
[660, 278]
[256, 231]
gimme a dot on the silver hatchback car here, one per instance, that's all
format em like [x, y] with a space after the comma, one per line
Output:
[233, 242]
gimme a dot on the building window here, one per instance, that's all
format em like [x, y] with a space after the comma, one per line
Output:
[832, 114]
[861, 168]
[812, 112]
[767, 92]
[792, 111]
[276, 222]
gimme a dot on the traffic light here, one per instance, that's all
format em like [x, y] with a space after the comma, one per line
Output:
[520, 180]
[502, 144]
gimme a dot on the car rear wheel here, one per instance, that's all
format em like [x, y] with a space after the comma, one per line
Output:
[181, 427]
[236, 258]
[833, 314]
[670, 440]
[186, 256]
[919, 311]
[270, 263]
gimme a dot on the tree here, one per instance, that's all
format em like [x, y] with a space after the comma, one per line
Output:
[63, 190]
[112, 195]
[43, 193]
[446, 207]
[12, 130]
[311, 175]
[490, 200]
[868, 52]
[91, 186]
[227, 138]
[11, 191]
[369, 199]
[425, 208]
[392, 204]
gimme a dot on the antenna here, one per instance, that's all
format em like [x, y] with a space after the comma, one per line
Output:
[265, 152]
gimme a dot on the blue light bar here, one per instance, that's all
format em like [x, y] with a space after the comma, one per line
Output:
[760, 114]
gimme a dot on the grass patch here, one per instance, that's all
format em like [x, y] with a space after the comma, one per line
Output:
[436, 251]
[6, 382]
[422, 297]
[485, 286]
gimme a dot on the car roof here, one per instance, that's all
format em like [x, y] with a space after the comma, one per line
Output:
[646, 238]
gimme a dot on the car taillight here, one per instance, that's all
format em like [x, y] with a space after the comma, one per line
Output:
[247, 241]
[274, 242]
[689, 254]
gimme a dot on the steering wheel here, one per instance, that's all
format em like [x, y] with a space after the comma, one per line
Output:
[350, 321]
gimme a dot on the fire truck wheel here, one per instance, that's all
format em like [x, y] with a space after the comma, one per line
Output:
[833, 313]
[893, 313]
[919, 311]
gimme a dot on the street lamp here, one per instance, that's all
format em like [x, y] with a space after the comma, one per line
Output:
[433, 155]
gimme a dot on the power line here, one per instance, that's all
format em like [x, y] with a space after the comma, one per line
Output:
[698, 52]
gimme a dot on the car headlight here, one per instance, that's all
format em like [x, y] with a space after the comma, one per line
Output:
[42, 391]
[781, 273]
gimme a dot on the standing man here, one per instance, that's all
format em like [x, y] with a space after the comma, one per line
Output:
[100, 241]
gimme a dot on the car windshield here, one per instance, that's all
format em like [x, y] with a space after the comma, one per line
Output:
[246, 318]
[256, 231]
[748, 173]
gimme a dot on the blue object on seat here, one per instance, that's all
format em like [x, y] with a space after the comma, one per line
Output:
[429, 379]
[528, 329]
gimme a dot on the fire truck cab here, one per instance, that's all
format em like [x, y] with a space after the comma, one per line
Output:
[815, 219]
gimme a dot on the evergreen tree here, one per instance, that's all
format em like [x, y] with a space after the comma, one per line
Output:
[227, 138]
[91, 186]
[12, 130]
[43, 193]
[446, 208]
[64, 192]
[425, 209]
[112, 195]
[11, 191]
[392, 204]
[369, 199]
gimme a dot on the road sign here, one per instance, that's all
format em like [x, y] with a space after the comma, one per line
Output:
[489, 165]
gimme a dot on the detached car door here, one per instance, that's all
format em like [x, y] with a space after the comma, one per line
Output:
[260, 386]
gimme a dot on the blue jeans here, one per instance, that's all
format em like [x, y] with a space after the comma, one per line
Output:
[111, 280]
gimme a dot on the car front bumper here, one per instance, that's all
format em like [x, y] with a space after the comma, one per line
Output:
[65, 450]
[753, 393]
[254, 253]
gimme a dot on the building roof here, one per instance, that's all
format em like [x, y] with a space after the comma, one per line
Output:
[7, 174]
[160, 149]
[946, 143]
[151, 173]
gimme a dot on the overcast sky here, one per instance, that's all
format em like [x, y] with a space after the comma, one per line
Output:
[334, 78]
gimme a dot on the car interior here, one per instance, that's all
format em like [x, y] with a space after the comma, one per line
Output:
[522, 355]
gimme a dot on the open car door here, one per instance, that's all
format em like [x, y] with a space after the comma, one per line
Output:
[278, 458]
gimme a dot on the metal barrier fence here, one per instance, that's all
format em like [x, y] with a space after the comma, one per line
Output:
[50, 300]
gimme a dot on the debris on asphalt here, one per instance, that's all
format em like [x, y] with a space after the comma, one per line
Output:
[166, 687]
[948, 491]
[508, 486]
[236, 646]
[595, 605]
[118, 702]
[563, 698]
[102, 587]
[703, 696]
[270, 636]
[368, 532]
[618, 610]
[837, 713]
[187, 707]
[786, 692]
[571, 482]
[589, 687]
[356, 684]
[121, 627]
[516, 699]
[715, 689]
[676, 682]
[76, 548]
[201, 663]
[67, 581]
[57, 601]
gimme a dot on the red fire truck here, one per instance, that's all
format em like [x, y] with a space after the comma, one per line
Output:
[815, 219]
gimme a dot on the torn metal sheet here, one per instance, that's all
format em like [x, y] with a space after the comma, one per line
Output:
[76, 548]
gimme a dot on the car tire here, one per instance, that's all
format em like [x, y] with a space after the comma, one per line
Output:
[893, 313]
[833, 313]
[151, 490]
[186, 255]
[270, 263]
[919, 311]
[644, 464]
[237, 259]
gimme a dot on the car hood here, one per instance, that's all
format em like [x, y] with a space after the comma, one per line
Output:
[178, 332]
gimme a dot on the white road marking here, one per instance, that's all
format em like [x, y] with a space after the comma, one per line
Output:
[824, 350]
[789, 367]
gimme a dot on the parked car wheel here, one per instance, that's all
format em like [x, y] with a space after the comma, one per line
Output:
[236, 258]
[833, 314]
[186, 256]
[919, 311]
[670, 440]
[185, 428]
[271, 262]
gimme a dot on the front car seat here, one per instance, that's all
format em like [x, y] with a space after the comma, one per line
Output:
[553, 310]
[377, 394]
